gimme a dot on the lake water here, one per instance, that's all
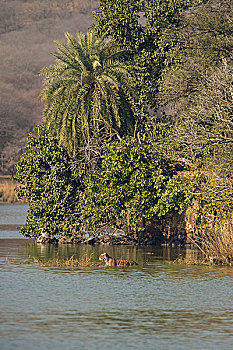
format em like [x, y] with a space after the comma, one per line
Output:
[155, 305]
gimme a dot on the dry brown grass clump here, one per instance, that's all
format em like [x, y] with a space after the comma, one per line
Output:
[190, 261]
[84, 261]
[217, 245]
[7, 192]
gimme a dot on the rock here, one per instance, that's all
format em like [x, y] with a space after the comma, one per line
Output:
[90, 240]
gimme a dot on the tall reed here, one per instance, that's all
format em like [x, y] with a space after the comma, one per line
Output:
[217, 244]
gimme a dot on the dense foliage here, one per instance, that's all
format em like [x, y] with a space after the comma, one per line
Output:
[197, 96]
[136, 183]
[144, 29]
[51, 183]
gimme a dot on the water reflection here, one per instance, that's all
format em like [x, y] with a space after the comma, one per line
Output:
[13, 214]
[152, 305]
[143, 255]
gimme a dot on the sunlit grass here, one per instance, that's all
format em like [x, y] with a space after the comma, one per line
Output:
[190, 261]
[215, 247]
[217, 244]
[7, 192]
[84, 261]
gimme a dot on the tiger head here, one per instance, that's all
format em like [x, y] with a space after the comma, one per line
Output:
[105, 257]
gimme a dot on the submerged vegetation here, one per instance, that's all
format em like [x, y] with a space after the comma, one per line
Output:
[84, 261]
[138, 126]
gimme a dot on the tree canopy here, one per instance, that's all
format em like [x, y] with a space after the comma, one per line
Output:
[87, 92]
[148, 30]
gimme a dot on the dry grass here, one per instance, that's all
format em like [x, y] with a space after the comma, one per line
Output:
[7, 193]
[217, 245]
[190, 261]
[84, 261]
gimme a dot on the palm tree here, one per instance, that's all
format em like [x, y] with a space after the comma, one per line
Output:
[87, 92]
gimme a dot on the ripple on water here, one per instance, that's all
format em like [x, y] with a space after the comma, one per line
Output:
[153, 305]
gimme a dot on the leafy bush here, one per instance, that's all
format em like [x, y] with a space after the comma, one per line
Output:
[135, 184]
[51, 183]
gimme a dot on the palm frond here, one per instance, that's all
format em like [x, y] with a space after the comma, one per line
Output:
[82, 93]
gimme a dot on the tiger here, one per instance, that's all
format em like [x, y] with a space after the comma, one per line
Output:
[109, 261]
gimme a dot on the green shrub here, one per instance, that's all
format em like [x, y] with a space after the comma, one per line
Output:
[135, 184]
[51, 183]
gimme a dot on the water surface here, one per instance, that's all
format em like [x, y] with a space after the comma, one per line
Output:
[154, 305]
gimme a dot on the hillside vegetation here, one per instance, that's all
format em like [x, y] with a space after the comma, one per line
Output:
[27, 31]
